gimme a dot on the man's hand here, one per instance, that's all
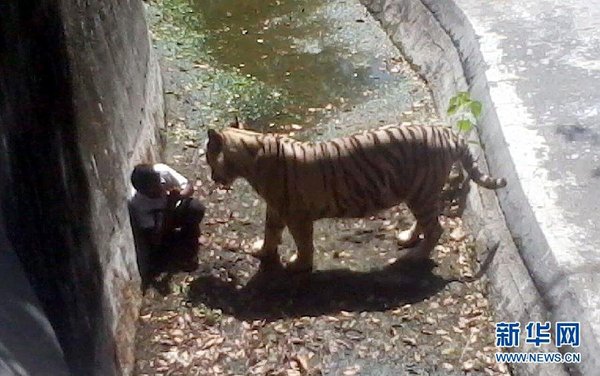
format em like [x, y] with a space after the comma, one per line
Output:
[173, 196]
[188, 191]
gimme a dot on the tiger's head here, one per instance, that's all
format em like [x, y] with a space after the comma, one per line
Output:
[230, 153]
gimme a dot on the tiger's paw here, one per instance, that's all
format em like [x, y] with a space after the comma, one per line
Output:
[295, 266]
[409, 238]
[405, 241]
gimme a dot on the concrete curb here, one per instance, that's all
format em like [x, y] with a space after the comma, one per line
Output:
[446, 53]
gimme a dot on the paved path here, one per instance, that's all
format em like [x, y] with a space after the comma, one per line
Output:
[543, 68]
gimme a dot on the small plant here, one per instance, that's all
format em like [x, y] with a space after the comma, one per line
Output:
[466, 109]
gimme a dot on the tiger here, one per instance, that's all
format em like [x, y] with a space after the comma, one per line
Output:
[348, 177]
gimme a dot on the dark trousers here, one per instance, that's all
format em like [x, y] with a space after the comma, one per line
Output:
[188, 215]
[179, 246]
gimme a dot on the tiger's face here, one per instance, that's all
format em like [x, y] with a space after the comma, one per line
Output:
[222, 172]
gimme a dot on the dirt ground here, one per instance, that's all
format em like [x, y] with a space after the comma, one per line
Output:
[362, 312]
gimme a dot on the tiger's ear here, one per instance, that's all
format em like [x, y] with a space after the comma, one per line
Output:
[215, 141]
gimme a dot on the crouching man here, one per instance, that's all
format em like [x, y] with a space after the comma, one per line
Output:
[163, 212]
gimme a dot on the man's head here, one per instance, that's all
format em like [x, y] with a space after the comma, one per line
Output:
[146, 181]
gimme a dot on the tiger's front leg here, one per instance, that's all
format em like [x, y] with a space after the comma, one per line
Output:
[302, 232]
[273, 230]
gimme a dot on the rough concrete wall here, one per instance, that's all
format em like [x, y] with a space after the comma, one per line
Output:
[81, 103]
[21, 316]
[118, 107]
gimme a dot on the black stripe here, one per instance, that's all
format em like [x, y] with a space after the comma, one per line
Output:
[282, 160]
[294, 173]
[387, 153]
[299, 178]
[351, 188]
[436, 154]
[366, 192]
[320, 160]
[400, 143]
[249, 150]
[362, 157]
[332, 178]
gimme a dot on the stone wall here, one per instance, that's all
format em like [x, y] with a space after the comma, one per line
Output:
[80, 103]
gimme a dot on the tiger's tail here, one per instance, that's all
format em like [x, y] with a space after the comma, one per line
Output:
[484, 180]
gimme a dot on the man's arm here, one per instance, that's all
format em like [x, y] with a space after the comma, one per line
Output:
[168, 224]
[171, 177]
[188, 191]
[175, 181]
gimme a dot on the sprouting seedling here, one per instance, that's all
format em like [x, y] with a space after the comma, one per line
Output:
[466, 109]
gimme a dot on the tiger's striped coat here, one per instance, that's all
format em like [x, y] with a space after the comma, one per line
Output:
[352, 176]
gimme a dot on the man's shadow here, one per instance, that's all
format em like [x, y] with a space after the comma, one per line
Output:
[272, 293]
[158, 264]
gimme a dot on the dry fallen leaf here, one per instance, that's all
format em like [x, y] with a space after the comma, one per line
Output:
[458, 234]
[468, 365]
[447, 366]
[449, 351]
[350, 371]
[303, 363]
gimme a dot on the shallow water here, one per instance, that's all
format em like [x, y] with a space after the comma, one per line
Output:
[319, 56]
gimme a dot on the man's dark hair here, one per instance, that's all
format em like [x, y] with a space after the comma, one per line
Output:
[144, 177]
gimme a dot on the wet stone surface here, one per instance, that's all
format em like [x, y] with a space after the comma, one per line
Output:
[362, 311]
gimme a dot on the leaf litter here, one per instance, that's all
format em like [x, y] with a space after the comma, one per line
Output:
[229, 318]
[361, 311]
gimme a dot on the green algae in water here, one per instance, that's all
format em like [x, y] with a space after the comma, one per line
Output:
[278, 61]
[297, 46]
[180, 33]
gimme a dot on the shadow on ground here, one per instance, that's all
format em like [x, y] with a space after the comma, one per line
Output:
[177, 255]
[272, 293]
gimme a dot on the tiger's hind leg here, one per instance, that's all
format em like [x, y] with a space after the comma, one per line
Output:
[427, 215]
[273, 230]
[302, 232]
[432, 230]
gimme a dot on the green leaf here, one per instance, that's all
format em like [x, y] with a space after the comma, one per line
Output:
[452, 109]
[476, 108]
[464, 125]
[453, 101]
[463, 97]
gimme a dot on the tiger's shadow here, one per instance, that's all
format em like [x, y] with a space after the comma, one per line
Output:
[272, 293]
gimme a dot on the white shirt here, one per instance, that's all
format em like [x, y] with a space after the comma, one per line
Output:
[145, 210]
